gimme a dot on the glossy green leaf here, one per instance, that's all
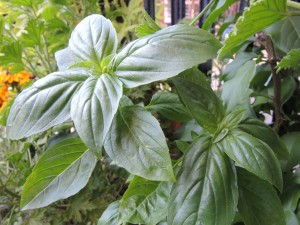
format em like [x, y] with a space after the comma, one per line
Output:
[253, 155]
[233, 119]
[218, 7]
[291, 192]
[62, 171]
[285, 34]
[258, 16]
[291, 60]
[64, 59]
[45, 104]
[292, 142]
[164, 54]
[137, 143]
[259, 203]
[145, 202]
[170, 106]
[236, 92]
[147, 27]
[206, 188]
[93, 39]
[110, 215]
[93, 109]
[291, 218]
[196, 93]
[261, 131]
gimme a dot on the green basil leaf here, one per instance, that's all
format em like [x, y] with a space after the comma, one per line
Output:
[253, 155]
[233, 119]
[110, 215]
[259, 203]
[64, 59]
[170, 106]
[236, 92]
[145, 202]
[283, 30]
[258, 16]
[93, 109]
[216, 10]
[206, 188]
[137, 143]
[196, 93]
[164, 54]
[261, 131]
[291, 192]
[62, 171]
[292, 142]
[93, 39]
[45, 104]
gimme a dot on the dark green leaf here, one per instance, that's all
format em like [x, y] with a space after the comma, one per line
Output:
[291, 193]
[291, 60]
[164, 54]
[62, 171]
[292, 141]
[110, 215]
[216, 10]
[253, 155]
[261, 131]
[137, 143]
[169, 105]
[258, 16]
[287, 29]
[147, 27]
[236, 92]
[258, 203]
[145, 202]
[93, 109]
[206, 189]
[93, 39]
[233, 119]
[45, 104]
[196, 93]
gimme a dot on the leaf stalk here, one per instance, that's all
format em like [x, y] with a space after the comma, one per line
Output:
[194, 21]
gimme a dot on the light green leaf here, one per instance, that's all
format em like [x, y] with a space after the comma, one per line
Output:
[169, 105]
[291, 60]
[236, 92]
[93, 109]
[145, 202]
[33, 35]
[93, 39]
[259, 203]
[261, 131]
[164, 54]
[137, 143]
[196, 93]
[110, 215]
[45, 104]
[5, 112]
[216, 10]
[291, 218]
[287, 29]
[147, 27]
[206, 189]
[259, 15]
[12, 53]
[253, 155]
[62, 171]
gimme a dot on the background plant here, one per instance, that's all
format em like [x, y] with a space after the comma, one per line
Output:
[228, 167]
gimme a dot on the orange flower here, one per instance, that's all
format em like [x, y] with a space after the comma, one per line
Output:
[4, 96]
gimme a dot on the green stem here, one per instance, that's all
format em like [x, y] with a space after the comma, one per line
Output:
[292, 4]
[194, 21]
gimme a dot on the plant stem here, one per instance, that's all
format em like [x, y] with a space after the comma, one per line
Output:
[194, 21]
[277, 83]
[292, 4]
